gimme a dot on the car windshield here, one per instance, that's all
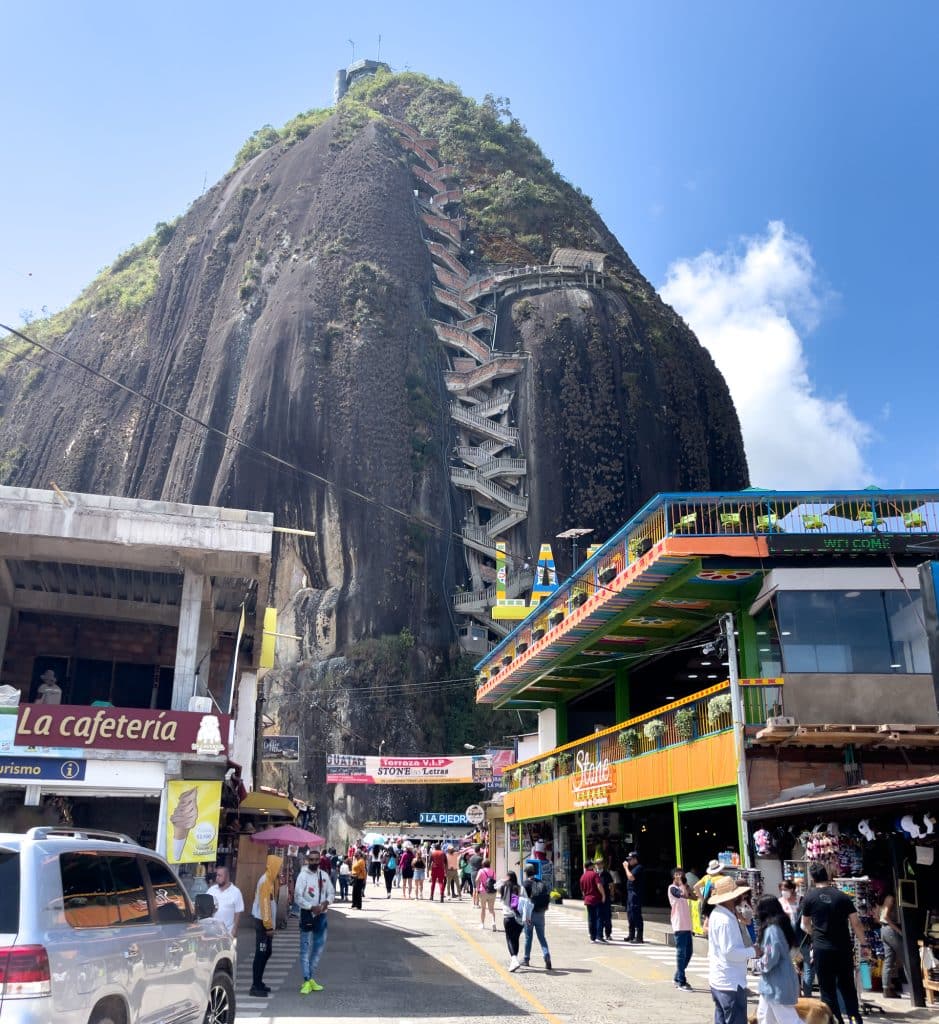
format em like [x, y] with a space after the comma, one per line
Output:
[10, 887]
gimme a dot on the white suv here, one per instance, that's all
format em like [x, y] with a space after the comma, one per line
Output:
[95, 929]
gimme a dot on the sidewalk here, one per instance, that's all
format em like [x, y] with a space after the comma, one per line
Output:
[658, 932]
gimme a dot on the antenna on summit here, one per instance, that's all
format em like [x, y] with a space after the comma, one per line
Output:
[378, 55]
[352, 44]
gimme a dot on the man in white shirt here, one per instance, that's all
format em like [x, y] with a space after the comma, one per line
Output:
[728, 953]
[313, 893]
[229, 904]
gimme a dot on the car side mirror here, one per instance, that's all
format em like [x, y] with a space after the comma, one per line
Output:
[205, 905]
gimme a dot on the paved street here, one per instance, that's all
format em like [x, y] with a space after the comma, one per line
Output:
[402, 962]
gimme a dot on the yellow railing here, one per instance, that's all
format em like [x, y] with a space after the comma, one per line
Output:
[681, 721]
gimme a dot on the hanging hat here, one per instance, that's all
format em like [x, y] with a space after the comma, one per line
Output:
[715, 867]
[726, 889]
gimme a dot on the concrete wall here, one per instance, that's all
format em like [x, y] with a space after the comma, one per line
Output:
[771, 771]
[817, 697]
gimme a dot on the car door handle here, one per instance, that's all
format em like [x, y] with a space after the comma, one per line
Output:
[132, 952]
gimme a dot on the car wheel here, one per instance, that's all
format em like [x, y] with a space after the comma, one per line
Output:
[221, 1006]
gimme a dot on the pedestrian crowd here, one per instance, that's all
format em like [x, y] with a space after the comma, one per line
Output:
[817, 933]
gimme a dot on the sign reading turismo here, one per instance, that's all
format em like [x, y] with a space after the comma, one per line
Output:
[65, 725]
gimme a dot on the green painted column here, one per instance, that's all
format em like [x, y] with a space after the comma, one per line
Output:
[560, 717]
[678, 854]
[747, 645]
[621, 690]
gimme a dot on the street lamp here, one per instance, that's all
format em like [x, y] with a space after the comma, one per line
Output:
[573, 535]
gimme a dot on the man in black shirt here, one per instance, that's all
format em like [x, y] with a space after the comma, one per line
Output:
[826, 914]
[634, 886]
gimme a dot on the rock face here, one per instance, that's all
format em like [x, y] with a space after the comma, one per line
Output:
[293, 308]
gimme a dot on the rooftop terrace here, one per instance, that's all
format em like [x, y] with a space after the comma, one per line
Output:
[679, 562]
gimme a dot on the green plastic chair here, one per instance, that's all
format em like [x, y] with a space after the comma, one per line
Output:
[730, 520]
[768, 524]
[813, 521]
[914, 521]
[868, 520]
[686, 524]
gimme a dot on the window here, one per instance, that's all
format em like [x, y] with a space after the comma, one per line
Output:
[129, 889]
[171, 901]
[10, 887]
[852, 631]
[87, 896]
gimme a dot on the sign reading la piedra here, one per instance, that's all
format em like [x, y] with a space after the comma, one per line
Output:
[105, 728]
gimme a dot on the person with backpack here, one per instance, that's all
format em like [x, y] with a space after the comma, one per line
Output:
[486, 890]
[389, 864]
[540, 896]
[511, 894]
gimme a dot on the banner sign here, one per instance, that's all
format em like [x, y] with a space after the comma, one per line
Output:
[433, 818]
[280, 748]
[847, 544]
[418, 770]
[106, 728]
[192, 814]
[488, 770]
[38, 769]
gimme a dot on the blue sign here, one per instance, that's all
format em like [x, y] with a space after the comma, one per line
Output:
[433, 818]
[41, 769]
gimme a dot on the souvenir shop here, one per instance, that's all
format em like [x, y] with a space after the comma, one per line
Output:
[877, 841]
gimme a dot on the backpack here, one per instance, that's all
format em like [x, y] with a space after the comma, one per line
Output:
[392, 863]
[491, 883]
[539, 894]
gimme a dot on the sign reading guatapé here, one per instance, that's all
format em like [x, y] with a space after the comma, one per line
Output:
[106, 728]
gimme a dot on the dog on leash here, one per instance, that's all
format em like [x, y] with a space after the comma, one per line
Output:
[812, 1011]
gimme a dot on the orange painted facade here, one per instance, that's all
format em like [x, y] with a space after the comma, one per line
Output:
[706, 763]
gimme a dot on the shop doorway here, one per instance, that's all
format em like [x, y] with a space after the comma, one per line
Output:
[705, 833]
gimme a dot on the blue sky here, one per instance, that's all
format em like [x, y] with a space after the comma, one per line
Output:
[772, 167]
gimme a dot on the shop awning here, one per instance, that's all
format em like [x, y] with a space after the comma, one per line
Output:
[855, 798]
[259, 802]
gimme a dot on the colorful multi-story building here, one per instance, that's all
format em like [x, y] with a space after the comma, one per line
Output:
[642, 743]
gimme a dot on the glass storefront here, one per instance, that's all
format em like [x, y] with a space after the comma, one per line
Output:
[852, 631]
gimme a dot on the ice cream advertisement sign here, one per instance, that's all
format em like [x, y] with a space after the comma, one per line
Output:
[418, 770]
[192, 813]
[107, 728]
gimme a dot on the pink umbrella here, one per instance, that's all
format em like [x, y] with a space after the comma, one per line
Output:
[287, 835]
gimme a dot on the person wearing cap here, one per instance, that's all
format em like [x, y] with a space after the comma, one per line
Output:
[634, 887]
[727, 952]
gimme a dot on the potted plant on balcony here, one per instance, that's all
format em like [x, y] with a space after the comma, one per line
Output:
[718, 707]
[684, 723]
[547, 769]
[607, 574]
[654, 730]
[517, 777]
[579, 598]
[628, 739]
[537, 633]
[564, 762]
[555, 619]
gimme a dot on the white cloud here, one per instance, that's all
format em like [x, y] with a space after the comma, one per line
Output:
[750, 307]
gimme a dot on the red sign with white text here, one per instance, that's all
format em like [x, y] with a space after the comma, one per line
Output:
[107, 728]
